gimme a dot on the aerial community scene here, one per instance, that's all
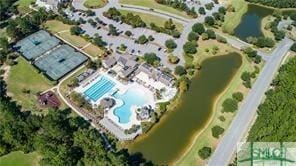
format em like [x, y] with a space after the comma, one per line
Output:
[147, 82]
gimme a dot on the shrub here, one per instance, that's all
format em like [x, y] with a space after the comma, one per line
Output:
[205, 152]
[264, 42]
[238, 96]
[211, 34]
[222, 118]
[217, 131]
[173, 59]
[246, 76]
[221, 39]
[229, 105]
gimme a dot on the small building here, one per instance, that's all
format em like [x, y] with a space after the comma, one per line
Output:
[84, 75]
[166, 79]
[129, 65]
[109, 62]
[49, 99]
[107, 103]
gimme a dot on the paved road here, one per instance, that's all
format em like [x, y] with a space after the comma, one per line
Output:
[247, 111]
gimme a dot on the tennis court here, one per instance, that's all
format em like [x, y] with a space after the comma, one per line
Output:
[60, 61]
[36, 44]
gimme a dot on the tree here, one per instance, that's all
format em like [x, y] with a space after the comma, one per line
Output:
[204, 152]
[4, 45]
[202, 11]
[142, 39]
[151, 58]
[264, 42]
[246, 76]
[75, 30]
[222, 10]
[198, 28]
[190, 48]
[99, 42]
[113, 30]
[170, 44]
[293, 48]
[180, 70]
[217, 131]
[229, 105]
[128, 33]
[192, 36]
[209, 20]
[169, 25]
[238, 96]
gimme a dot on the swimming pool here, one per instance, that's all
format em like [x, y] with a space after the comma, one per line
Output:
[132, 97]
[101, 87]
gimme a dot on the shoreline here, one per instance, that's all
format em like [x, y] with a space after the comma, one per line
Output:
[213, 112]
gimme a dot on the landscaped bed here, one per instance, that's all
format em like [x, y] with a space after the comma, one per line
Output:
[153, 5]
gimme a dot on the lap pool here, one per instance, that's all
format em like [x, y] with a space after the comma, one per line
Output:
[132, 97]
[101, 87]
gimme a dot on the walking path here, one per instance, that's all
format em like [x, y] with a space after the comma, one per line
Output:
[247, 111]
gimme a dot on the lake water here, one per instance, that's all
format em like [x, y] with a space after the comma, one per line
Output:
[250, 24]
[170, 137]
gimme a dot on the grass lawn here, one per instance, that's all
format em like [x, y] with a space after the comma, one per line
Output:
[55, 26]
[64, 88]
[152, 4]
[23, 5]
[73, 39]
[232, 19]
[149, 18]
[24, 75]
[205, 138]
[18, 158]
[95, 3]
[93, 50]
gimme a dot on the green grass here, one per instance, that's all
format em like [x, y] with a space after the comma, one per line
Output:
[232, 19]
[18, 158]
[152, 4]
[24, 75]
[55, 26]
[94, 4]
[148, 18]
[23, 5]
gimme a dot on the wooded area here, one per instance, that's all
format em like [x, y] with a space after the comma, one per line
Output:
[276, 116]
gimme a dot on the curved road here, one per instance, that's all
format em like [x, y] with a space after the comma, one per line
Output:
[247, 111]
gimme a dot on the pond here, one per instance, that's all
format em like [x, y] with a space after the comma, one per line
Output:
[250, 24]
[170, 137]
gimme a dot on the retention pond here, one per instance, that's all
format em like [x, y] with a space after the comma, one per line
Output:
[250, 24]
[174, 133]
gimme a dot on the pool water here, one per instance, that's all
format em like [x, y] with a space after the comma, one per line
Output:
[97, 90]
[131, 97]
